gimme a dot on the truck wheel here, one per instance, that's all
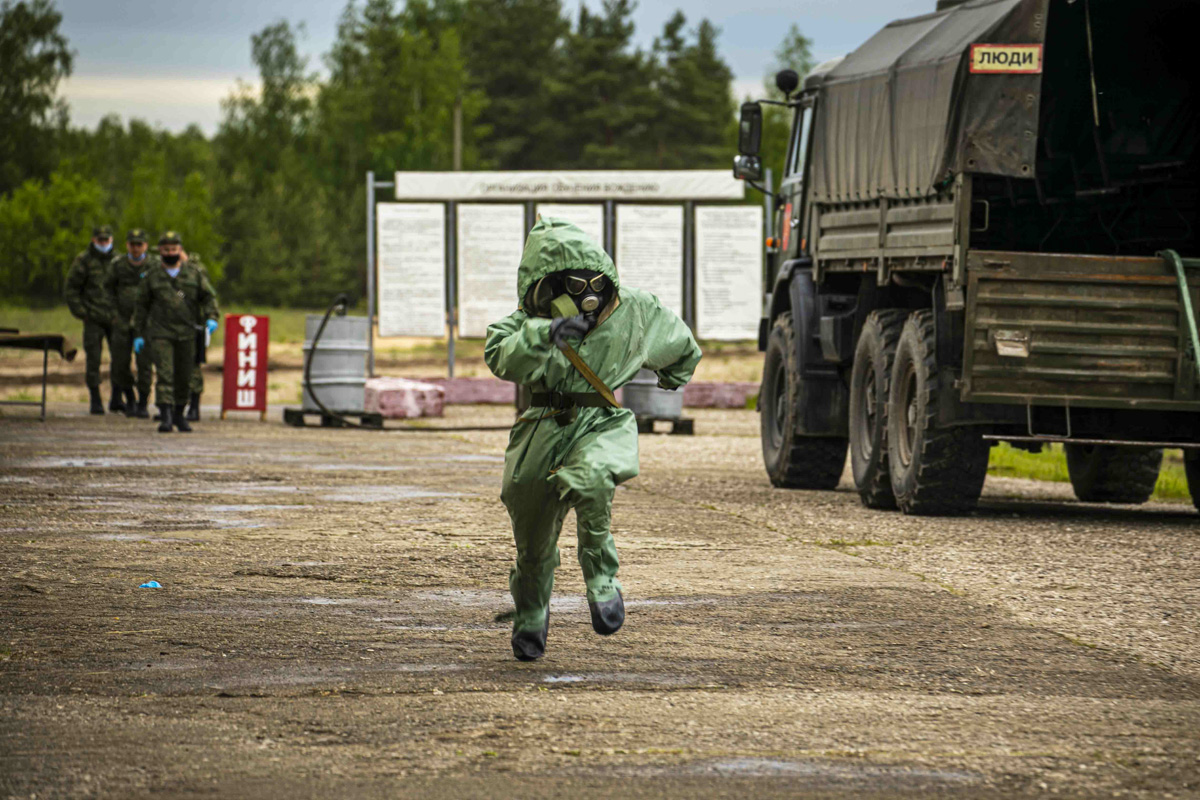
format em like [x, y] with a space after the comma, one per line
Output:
[793, 461]
[1108, 474]
[1191, 468]
[934, 471]
[868, 407]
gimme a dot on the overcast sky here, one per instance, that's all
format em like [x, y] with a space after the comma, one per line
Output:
[172, 61]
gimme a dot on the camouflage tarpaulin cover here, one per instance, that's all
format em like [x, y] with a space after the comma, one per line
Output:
[902, 113]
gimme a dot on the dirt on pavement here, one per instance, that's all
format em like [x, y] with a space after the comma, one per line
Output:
[332, 621]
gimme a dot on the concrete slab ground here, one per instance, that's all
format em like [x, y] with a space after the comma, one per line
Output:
[332, 623]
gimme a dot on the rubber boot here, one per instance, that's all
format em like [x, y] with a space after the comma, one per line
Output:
[97, 403]
[181, 420]
[193, 412]
[142, 412]
[130, 403]
[115, 404]
[164, 413]
[609, 616]
[531, 645]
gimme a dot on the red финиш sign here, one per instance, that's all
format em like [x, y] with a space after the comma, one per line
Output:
[244, 380]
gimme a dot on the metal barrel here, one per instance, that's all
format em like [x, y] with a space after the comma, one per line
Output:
[643, 397]
[339, 364]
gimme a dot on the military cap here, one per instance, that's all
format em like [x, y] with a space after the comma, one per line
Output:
[101, 231]
[136, 235]
[169, 237]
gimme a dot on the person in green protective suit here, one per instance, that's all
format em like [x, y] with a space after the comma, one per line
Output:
[573, 446]
[126, 274]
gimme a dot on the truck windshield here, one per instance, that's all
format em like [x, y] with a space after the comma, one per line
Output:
[799, 145]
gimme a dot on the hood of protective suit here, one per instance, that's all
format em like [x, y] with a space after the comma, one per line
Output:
[554, 245]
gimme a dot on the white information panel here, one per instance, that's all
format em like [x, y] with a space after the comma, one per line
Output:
[728, 271]
[412, 268]
[490, 241]
[589, 217]
[650, 251]
[601, 184]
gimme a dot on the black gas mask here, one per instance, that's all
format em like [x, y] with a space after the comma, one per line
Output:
[590, 292]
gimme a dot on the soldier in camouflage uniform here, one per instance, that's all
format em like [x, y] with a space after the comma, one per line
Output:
[127, 272]
[170, 301]
[89, 301]
[197, 385]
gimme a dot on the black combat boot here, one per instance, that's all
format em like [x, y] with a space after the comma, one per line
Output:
[130, 403]
[181, 420]
[142, 411]
[115, 404]
[531, 645]
[609, 616]
[164, 413]
[97, 403]
[193, 412]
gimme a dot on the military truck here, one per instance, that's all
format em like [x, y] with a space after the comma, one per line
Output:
[982, 236]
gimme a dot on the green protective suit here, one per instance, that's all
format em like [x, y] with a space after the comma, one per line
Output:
[551, 468]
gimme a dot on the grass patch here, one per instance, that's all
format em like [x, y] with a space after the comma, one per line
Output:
[1051, 465]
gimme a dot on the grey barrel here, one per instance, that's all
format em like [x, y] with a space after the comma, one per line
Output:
[643, 397]
[339, 364]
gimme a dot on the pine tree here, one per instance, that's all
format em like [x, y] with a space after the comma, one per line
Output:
[697, 123]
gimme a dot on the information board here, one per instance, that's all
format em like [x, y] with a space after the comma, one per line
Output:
[490, 241]
[412, 269]
[728, 271]
[589, 217]
[650, 251]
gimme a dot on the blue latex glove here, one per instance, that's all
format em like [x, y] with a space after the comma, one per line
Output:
[212, 326]
[138, 344]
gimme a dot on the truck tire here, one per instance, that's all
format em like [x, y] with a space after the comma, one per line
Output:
[869, 377]
[934, 471]
[1191, 468]
[792, 461]
[1109, 474]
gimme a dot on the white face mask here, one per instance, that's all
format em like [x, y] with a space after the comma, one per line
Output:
[137, 258]
[103, 248]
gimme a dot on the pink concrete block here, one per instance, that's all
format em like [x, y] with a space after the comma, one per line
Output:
[400, 398]
[476, 391]
[711, 394]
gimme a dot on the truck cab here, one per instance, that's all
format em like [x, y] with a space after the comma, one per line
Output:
[986, 231]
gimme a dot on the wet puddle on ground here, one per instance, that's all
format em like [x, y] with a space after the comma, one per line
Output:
[383, 494]
[813, 774]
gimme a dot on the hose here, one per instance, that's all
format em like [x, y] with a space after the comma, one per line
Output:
[339, 304]
[1185, 295]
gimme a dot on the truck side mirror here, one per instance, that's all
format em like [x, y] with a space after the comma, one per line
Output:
[786, 81]
[747, 168]
[750, 129]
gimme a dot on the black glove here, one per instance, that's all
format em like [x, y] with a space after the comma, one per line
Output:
[564, 328]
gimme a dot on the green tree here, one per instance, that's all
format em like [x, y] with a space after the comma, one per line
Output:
[794, 52]
[43, 225]
[696, 122]
[271, 211]
[34, 57]
[513, 51]
[606, 100]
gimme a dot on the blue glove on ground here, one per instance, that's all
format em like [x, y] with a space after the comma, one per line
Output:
[212, 326]
[138, 344]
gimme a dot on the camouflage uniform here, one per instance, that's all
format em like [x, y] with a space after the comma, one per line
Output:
[167, 312]
[123, 280]
[197, 384]
[89, 301]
